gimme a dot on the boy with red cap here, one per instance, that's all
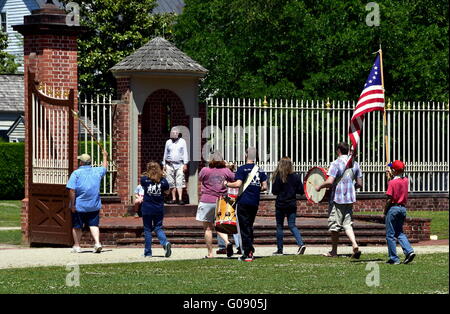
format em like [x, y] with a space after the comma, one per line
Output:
[395, 213]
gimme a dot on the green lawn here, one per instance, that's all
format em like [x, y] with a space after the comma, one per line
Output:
[10, 217]
[439, 222]
[10, 213]
[272, 275]
[12, 237]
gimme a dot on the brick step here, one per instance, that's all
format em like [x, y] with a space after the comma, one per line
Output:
[180, 210]
[138, 226]
[261, 233]
[258, 241]
[174, 210]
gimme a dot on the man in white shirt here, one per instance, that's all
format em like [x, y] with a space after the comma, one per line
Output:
[175, 164]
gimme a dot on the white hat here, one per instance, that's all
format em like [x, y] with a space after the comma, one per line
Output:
[84, 158]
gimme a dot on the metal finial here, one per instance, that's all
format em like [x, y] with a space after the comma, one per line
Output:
[389, 105]
[265, 103]
[328, 105]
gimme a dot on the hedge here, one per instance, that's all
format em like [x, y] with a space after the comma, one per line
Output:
[12, 171]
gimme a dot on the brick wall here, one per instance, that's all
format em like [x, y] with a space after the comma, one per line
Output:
[121, 155]
[368, 204]
[163, 109]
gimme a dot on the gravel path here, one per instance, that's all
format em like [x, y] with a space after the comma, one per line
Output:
[13, 257]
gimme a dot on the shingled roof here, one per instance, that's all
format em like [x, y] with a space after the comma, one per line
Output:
[11, 93]
[159, 55]
[169, 6]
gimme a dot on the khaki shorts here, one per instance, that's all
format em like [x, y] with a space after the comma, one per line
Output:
[175, 177]
[206, 212]
[340, 217]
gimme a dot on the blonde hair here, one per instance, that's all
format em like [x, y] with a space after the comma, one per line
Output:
[284, 169]
[154, 171]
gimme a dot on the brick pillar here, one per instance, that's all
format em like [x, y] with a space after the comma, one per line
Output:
[121, 148]
[50, 52]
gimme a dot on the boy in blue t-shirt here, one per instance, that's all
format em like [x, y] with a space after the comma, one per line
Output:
[154, 185]
[248, 201]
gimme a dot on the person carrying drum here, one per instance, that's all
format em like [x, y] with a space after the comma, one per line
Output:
[395, 213]
[253, 181]
[212, 178]
[286, 184]
[343, 195]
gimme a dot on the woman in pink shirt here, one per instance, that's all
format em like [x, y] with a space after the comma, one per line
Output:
[212, 178]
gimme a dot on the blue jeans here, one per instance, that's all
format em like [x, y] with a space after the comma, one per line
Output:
[291, 214]
[221, 243]
[395, 218]
[153, 222]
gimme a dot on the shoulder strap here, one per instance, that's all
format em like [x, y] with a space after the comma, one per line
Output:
[249, 179]
[347, 172]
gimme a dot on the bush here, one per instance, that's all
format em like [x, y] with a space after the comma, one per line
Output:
[12, 171]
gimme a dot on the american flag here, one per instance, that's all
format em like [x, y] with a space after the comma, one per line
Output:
[371, 99]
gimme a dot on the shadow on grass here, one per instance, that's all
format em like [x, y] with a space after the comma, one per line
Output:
[90, 251]
[367, 260]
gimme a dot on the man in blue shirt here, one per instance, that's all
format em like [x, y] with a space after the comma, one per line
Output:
[85, 203]
[248, 200]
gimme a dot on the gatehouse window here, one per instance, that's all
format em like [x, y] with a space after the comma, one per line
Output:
[3, 25]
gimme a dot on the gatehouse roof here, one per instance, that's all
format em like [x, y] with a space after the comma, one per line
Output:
[159, 55]
[11, 93]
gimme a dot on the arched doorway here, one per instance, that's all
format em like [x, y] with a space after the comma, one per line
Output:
[162, 110]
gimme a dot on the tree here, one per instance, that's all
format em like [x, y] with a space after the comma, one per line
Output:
[316, 49]
[115, 29]
[7, 63]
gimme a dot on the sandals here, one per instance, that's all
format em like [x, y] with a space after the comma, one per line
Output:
[328, 254]
[356, 254]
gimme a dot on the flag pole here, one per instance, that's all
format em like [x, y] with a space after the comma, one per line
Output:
[386, 142]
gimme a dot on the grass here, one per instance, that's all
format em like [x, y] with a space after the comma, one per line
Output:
[272, 275]
[11, 237]
[439, 220]
[10, 217]
[10, 213]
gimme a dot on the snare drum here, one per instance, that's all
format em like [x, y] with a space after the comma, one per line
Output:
[226, 221]
[315, 177]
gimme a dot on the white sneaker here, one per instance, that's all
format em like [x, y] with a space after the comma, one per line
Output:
[75, 249]
[97, 248]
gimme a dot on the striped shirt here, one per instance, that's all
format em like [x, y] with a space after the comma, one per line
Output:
[344, 191]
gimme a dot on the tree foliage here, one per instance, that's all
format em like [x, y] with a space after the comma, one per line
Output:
[316, 49]
[115, 29]
[7, 63]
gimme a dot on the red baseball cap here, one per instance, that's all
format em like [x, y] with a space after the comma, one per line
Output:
[397, 165]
